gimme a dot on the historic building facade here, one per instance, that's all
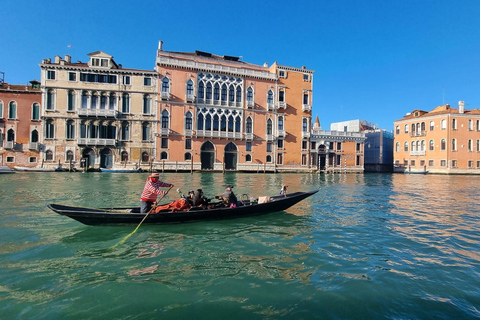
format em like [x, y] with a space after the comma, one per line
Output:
[338, 150]
[220, 113]
[97, 114]
[444, 140]
[20, 124]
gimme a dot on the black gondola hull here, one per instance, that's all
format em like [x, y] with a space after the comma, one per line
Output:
[122, 216]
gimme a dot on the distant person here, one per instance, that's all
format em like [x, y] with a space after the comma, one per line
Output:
[151, 191]
[198, 199]
[229, 198]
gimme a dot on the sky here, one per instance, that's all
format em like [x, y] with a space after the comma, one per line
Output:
[373, 60]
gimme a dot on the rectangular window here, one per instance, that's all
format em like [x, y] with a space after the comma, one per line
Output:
[470, 164]
[454, 124]
[304, 159]
[72, 76]
[314, 145]
[304, 145]
[164, 144]
[339, 146]
[478, 164]
[306, 77]
[454, 163]
[269, 147]
[412, 163]
[10, 159]
[280, 143]
[339, 160]
[104, 62]
[443, 163]
[405, 163]
[51, 75]
[126, 80]
[188, 144]
[431, 163]
[248, 146]
[280, 158]
[282, 74]
[357, 162]
[32, 159]
[422, 163]
[147, 81]
[359, 147]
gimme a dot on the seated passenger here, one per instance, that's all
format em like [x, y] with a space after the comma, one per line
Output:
[229, 198]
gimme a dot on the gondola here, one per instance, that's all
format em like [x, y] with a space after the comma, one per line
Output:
[132, 215]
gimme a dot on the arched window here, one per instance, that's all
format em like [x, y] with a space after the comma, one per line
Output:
[165, 84]
[35, 111]
[413, 146]
[103, 101]
[305, 125]
[84, 99]
[50, 99]
[147, 102]
[413, 128]
[397, 147]
[70, 130]
[223, 123]
[270, 96]
[94, 101]
[443, 145]
[405, 146]
[34, 136]
[444, 124]
[1, 109]
[237, 124]
[49, 129]
[69, 155]
[230, 124]
[125, 103]
[125, 131]
[454, 144]
[145, 156]
[224, 93]
[208, 122]
[280, 123]
[200, 122]
[231, 93]
[113, 101]
[71, 100]
[406, 128]
[422, 145]
[201, 90]
[48, 155]
[216, 92]
[239, 95]
[248, 158]
[215, 123]
[250, 94]
[165, 120]
[432, 125]
[188, 121]
[431, 145]
[163, 155]
[269, 159]
[145, 131]
[12, 110]
[190, 90]
[249, 125]
[187, 156]
[269, 126]
[208, 94]
[470, 145]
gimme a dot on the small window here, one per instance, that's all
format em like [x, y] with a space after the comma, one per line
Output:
[51, 75]
[431, 163]
[454, 163]
[248, 158]
[470, 164]
[32, 159]
[280, 143]
[188, 144]
[443, 163]
[248, 146]
[306, 77]
[72, 76]
[432, 125]
[164, 143]
[163, 156]
[282, 74]
[187, 156]
[412, 163]
[269, 147]
[126, 80]
[10, 159]
[147, 81]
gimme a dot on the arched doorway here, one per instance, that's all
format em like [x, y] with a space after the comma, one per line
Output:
[207, 155]
[89, 155]
[322, 157]
[106, 158]
[230, 156]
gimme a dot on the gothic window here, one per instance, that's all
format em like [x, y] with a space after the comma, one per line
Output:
[165, 119]
[188, 121]
[35, 111]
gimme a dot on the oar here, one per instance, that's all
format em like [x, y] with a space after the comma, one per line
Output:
[153, 207]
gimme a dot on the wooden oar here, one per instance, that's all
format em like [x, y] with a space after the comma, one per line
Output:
[153, 207]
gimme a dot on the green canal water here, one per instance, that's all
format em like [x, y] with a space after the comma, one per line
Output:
[372, 246]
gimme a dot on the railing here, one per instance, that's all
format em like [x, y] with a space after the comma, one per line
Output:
[97, 112]
[282, 105]
[305, 134]
[33, 146]
[270, 106]
[164, 131]
[269, 137]
[188, 132]
[219, 134]
[9, 145]
[250, 104]
[338, 133]
[307, 107]
[96, 142]
[418, 153]
[249, 136]
[165, 95]
[281, 133]
[190, 98]
[418, 134]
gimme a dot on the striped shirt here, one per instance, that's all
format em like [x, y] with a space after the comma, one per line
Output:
[151, 190]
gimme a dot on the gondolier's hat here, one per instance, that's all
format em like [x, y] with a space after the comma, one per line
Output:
[154, 175]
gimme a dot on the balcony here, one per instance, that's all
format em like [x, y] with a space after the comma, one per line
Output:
[107, 113]
[307, 107]
[9, 145]
[282, 105]
[190, 98]
[418, 134]
[281, 133]
[269, 137]
[189, 132]
[249, 136]
[164, 131]
[250, 104]
[165, 95]
[305, 134]
[33, 146]
[270, 106]
[96, 142]
[418, 153]
[218, 134]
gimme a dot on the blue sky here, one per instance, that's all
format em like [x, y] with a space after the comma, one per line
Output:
[373, 60]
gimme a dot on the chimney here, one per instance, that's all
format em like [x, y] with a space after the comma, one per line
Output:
[68, 58]
[57, 59]
[461, 106]
[160, 45]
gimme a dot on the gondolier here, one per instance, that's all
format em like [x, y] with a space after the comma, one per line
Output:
[151, 191]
